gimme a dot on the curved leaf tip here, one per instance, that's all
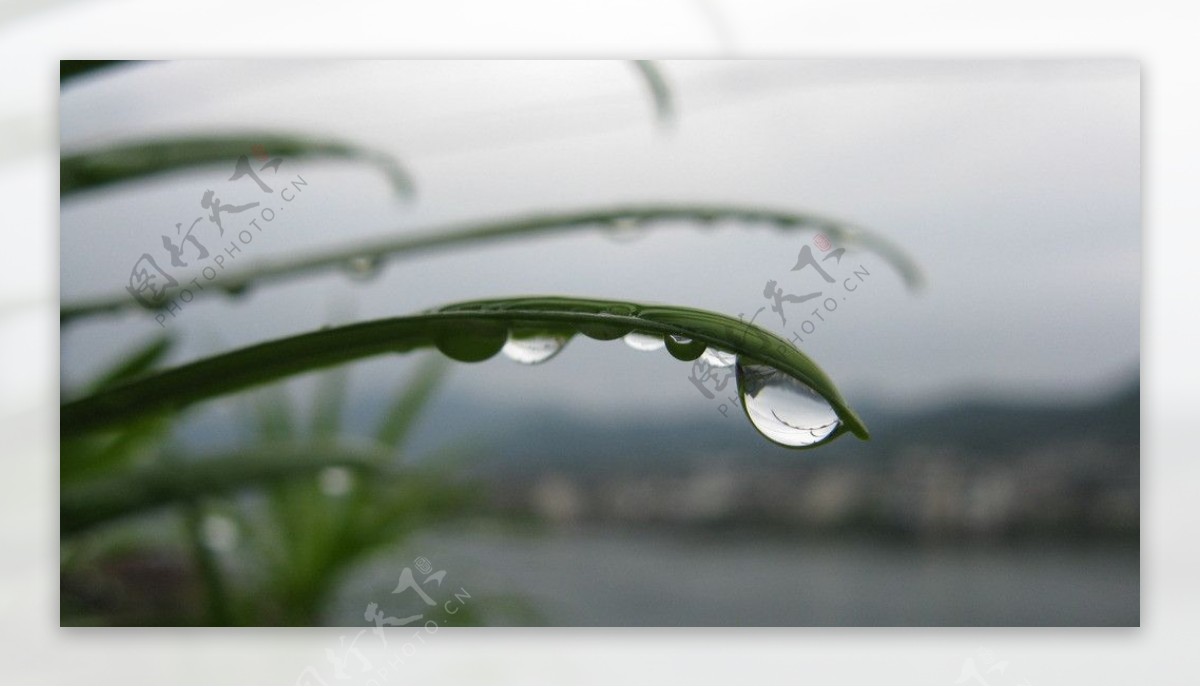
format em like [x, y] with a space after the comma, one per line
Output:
[477, 330]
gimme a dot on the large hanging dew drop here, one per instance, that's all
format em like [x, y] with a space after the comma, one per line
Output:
[471, 342]
[531, 350]
[784, 409]
[601, 331]
[641, 341]
[606, 331]
[715, 357]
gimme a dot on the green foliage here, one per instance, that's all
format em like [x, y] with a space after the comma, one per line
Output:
[98, 454]
[309, 502]
[141, 159]
[660, 92]
[406, 245]
[467, 332]
[168, 481]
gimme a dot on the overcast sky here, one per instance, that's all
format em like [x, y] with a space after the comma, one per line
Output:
[1015, 185]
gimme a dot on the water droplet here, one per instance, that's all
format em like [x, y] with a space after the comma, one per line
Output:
[602, 332]
[335, 481]
[715, 357]
[363, 267]
[641, 341]
[625, 229]
[471, 342]
[531, 350]
[784, 409]
[684, 348]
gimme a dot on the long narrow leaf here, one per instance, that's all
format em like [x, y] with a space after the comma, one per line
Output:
[272, 414]
[139, 361]
[329, 403]
[91, 456]
[660, 90]
[96, 501]
[648, 216]
[402, 414]
[467, 332]
[139, 159]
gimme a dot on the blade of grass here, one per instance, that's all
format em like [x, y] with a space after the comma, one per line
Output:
[139, 361]
[660, 90]
[466, 331]
[403, 246]
[403, 413]
[93, 456]
[139, 159]
[328, 403]
[96, 501]
[273, 415]
[219, 606]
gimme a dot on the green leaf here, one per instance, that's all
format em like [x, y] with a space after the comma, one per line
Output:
[405, 244]
[403, 412]
[95, 501]
[91, 456]
[139, 159]
[208, 567]
[272, 415]
[136, 363]
[173, 389]
[660, 91]
[329, 403]
[322, 536]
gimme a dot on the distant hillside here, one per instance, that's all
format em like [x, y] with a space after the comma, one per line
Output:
[969, 469]
[517, 441]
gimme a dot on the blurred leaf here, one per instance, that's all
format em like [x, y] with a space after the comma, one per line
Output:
[273, 416]
[328, 403]
[405, 244]
[96, 501]
[309, 539]
[660, 90]
[219, 607]
[136, 363]
[409, 403]
[92, 456]
[134, 160]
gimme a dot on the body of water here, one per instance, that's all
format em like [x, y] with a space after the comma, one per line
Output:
[628, 576]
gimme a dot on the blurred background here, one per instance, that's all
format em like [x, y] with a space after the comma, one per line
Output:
[604, 487]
